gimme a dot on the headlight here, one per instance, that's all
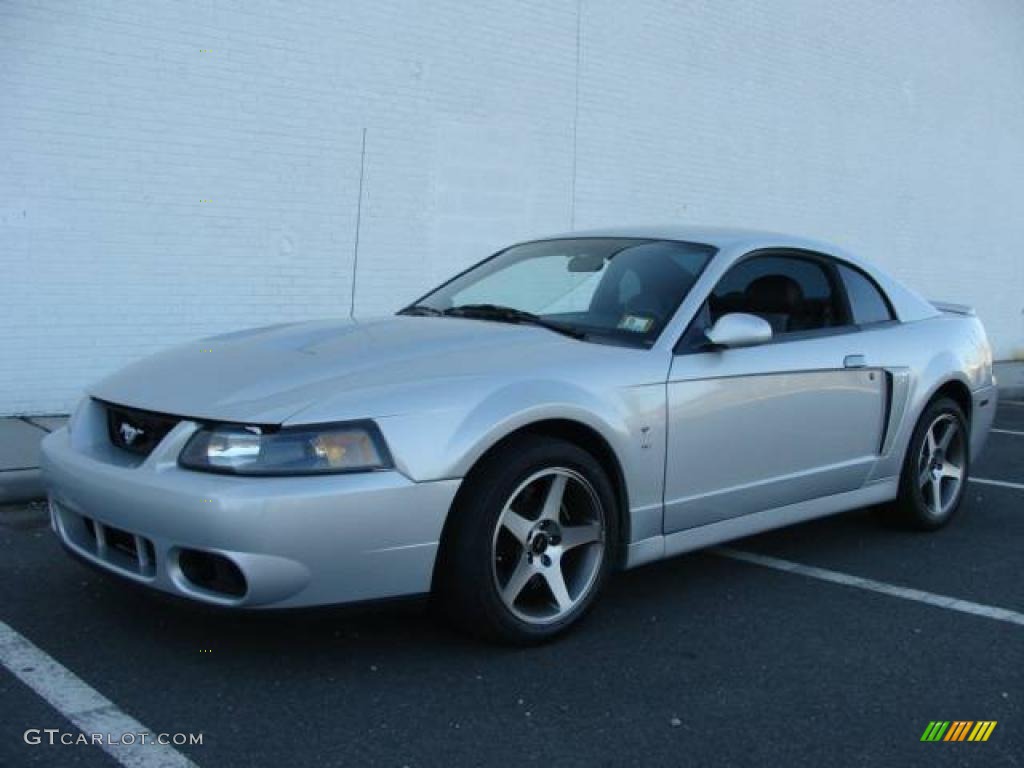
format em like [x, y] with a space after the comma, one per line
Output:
[244, 450]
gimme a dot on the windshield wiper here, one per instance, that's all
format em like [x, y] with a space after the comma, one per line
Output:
[421, 309]
[511, 315]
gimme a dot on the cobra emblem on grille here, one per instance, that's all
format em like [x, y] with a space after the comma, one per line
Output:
[130, 433]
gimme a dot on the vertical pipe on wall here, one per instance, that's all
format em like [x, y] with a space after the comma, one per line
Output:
[359, 221]
[575, 114]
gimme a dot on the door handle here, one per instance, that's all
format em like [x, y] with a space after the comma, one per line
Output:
[855, 361]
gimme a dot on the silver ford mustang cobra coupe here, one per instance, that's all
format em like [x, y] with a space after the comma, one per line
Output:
[566, 407]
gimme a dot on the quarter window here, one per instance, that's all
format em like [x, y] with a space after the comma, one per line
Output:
[866, 300]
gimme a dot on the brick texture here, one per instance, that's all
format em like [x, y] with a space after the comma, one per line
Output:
[173, 170]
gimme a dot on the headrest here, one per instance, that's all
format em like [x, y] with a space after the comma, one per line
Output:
[775, 294]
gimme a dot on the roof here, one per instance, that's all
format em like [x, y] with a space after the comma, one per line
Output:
[734, 241]
[717, 236]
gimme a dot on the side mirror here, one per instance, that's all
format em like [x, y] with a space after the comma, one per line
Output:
[739, 330]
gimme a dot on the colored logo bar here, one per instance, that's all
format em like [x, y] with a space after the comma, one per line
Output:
[958, 730]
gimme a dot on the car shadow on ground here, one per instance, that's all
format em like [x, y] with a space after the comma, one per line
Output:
[635, 598]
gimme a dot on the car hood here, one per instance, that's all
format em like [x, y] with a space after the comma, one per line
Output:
[267, 375]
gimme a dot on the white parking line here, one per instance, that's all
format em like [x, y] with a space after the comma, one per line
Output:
[84, 706]
[1007, 432]
[1000, 483]
[917, 595]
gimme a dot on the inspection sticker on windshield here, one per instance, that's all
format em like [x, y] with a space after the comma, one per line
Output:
[636, 324]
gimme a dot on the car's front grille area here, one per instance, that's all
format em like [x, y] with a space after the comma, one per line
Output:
[136, 431]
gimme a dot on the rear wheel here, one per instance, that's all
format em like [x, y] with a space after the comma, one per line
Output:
[936, 467]
[530, 542]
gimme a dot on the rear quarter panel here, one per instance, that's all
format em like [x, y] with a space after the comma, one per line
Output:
[921, 357]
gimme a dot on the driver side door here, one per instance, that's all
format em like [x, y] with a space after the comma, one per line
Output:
[762, 427]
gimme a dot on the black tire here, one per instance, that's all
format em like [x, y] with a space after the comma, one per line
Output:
[467, 577]
[912, 508]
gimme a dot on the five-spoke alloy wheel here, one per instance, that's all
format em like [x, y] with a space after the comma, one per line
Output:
[530, 541]
[548, 545]
[936, 468]
[941, 464]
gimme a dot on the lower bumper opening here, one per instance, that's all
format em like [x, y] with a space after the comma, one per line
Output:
[212, 572]
[122, 549]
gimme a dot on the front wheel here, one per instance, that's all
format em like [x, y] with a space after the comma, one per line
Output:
[935, 470]
[530, 542]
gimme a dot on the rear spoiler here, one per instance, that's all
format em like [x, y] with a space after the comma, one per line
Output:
[954, 309]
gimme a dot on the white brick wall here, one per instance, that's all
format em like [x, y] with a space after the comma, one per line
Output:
[896, 129]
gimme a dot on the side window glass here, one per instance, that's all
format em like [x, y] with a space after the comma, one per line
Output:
[866, 300]
[792, 294]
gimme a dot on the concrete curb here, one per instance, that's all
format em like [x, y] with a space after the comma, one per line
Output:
[18, 486]
[20, 477]
[1010, 376]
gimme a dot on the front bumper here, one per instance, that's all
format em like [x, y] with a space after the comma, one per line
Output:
[296, 541]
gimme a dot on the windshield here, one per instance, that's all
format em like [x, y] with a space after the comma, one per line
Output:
[620, 290]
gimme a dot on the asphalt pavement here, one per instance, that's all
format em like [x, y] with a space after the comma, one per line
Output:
[700, 660]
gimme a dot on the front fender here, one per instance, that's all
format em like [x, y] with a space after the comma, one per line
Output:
[514, 407]
[446, 443]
